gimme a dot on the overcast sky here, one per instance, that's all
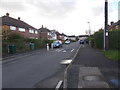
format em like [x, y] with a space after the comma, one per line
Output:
[67, 16]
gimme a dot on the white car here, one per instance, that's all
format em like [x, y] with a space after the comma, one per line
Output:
[67, 42]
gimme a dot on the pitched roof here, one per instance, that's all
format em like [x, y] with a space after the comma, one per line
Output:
[63, 34]
[115, 24]
[72, 36]
[42, 29]
[6, 20]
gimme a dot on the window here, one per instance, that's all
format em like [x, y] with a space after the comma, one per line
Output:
[116, 27]
[12, 28]
[49, 33]
[31, 31]
[21, 29]
[36, 32]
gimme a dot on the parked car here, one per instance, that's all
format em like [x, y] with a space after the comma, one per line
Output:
[57, 44]
[67, 42]
[81, 41]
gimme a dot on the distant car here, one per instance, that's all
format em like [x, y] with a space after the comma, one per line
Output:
[57, 44]
[67, 42]
[81, 41]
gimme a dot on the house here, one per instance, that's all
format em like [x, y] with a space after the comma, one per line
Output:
[44, 33]
[18, 26]
[63, 36]
[83, 37]
[72, 37]
[53, 35]
[114, 26]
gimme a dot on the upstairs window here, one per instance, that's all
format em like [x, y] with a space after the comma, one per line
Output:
[21, 29]
[49, 33]
[31, 31]
[36, 32]
[12, 28]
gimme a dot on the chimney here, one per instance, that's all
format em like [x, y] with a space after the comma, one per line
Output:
[18, 18]
[42, 26]
[111, 23]
[7, 14]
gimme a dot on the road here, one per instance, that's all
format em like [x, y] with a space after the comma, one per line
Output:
[25, 72]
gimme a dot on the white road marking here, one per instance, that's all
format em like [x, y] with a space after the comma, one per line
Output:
[60, 50]
[57, 50]
[72, 50]
[64, 51]
[58, 85]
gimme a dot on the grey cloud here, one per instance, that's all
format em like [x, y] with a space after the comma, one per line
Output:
[53, 9]
[97, 10]
[13, 6]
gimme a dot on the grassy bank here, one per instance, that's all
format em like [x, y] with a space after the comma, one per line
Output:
[112, 54]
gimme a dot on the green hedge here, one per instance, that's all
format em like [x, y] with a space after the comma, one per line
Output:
[113, 40]
[23, 44]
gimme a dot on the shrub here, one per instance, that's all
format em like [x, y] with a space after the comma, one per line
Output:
[113, 40]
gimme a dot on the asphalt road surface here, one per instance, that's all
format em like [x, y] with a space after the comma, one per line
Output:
[26, 71]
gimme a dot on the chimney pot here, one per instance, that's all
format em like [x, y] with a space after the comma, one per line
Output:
[7, 14]
[111, 23]
[18, 18]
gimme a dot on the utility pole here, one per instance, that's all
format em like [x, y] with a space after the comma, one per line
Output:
[106, 26]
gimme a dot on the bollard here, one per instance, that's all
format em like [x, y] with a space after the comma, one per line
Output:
[52, 46]
[47, 47]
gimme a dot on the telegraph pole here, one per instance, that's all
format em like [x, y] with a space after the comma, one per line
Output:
[106, 26]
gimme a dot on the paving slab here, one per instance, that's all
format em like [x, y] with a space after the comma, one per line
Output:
[91, 77]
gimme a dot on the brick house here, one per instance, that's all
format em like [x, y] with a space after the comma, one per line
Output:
[114, 26]
[44, 33]
[18, 26]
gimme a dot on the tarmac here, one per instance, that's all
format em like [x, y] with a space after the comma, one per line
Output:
[89, 69]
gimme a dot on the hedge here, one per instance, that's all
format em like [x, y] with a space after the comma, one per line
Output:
[113, 40]
[23, 44]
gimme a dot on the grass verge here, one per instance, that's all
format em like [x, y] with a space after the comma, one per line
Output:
[112, 54]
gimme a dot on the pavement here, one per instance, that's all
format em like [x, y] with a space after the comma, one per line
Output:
[91, 69]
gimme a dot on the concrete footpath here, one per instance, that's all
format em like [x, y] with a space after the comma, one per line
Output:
[91, 69]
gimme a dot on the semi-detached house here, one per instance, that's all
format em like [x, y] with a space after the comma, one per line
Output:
[45, 33]
[19, 26]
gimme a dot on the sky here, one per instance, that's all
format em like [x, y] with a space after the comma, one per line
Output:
[66, 16]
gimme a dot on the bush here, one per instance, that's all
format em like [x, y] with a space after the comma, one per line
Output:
[113, 40]
[39, 43]
[98, 40]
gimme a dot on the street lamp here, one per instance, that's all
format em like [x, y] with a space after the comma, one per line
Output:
[89, 31]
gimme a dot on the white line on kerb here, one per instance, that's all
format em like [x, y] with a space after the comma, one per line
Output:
[72, 50]
[58, 85]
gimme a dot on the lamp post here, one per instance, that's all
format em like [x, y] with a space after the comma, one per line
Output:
[106, 26]
[89, 31]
